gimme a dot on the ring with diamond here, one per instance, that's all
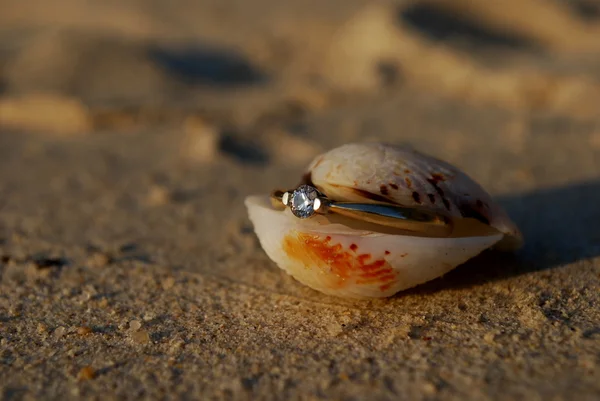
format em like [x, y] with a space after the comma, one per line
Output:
[305, 201]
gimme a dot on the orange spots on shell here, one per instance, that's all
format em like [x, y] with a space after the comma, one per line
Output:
[374, 279]
[394, 186]
[376, 271]
[344, 266]
[387, 252]
[362, 259]
[384, 190]
[408, 182]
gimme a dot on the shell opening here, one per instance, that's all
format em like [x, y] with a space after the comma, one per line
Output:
[465, 227]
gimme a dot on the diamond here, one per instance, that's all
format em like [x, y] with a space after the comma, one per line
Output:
[302, 202]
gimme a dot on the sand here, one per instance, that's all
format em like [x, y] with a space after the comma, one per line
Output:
[130, 134]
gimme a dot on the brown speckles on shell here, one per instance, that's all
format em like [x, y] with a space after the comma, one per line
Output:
[476, 211]
[437, 177]
[435, 185]
[434, 182]
[397, 174]
[446, 204]
[468, 211]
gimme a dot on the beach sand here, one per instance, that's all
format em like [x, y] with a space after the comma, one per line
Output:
[131, 133]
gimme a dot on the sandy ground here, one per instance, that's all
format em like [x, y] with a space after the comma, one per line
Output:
[131, 132]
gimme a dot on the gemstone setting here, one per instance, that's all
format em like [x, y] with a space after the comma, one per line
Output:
[302, 201]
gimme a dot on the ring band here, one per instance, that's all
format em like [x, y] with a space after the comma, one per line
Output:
[306, 200]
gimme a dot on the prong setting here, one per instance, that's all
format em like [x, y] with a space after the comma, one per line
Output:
[317, 204]
[304, 201]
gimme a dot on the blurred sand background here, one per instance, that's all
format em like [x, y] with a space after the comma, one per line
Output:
[131, 132]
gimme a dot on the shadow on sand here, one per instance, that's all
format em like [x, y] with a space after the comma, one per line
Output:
[199, 64]
[439, 24]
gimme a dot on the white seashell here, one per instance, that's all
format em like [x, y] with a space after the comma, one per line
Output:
[349, 258]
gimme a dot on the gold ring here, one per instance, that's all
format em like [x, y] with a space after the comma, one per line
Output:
[306, 200]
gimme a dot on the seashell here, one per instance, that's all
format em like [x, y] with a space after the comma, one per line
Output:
[351, 258]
